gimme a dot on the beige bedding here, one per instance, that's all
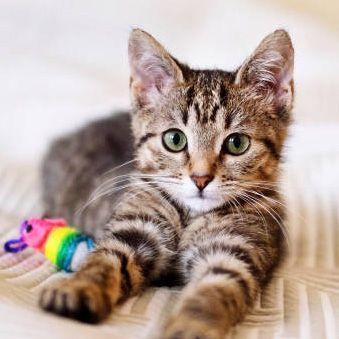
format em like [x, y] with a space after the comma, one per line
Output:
[301, 302]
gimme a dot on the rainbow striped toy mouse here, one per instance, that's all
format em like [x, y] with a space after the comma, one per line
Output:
[63, 245]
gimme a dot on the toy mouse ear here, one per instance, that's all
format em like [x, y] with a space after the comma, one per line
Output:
[56, 222]
[15, 245]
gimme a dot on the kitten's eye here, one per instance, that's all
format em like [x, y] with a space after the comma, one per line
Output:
[174, 140]
[236, 144]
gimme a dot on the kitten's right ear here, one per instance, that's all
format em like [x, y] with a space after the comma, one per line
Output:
[270, 68]
[153, 71]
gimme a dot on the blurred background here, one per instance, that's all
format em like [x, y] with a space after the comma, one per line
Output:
[63, 63]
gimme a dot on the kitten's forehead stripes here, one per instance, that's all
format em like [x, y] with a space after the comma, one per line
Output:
[190, 93]
[206, 99]
[228, 121]
[204, 119]
[214, 112]
[197, 111]
[184, 116]
[223, 95]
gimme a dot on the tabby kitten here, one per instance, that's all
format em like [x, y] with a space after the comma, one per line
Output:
[203, 197]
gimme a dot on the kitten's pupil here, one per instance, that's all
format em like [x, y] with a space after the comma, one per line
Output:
[236, 141]
[176, 138]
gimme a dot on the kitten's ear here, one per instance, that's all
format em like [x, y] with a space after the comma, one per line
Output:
[270, 68]
[153, 71]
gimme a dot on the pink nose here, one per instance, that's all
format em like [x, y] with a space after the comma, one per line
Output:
[202, 181]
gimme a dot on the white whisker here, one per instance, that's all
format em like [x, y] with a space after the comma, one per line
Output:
[96, 195]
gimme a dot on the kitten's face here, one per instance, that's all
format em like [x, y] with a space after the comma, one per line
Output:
[204, 133]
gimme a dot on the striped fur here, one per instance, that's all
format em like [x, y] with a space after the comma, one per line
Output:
[223, 240]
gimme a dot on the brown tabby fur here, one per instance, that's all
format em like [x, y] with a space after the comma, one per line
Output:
[226, 249]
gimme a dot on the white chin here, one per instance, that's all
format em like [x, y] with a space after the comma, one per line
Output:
[190, 197]
[201, 205]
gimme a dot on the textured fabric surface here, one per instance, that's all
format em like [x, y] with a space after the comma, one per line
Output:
[302, 301]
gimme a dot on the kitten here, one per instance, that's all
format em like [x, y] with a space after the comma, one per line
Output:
[203, 199]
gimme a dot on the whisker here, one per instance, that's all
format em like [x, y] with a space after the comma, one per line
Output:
[257, 211]
[267, 186]
[268, 209]
[119, 166]
[274, 215]
[110, 190]
[150, 188]
[112, 182]
[126, 177]
[270, 199]
[238, 208]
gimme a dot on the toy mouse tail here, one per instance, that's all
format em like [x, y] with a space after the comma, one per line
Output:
[15, 245]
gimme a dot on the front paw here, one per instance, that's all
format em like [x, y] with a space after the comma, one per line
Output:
[182, 327]
[77, 299]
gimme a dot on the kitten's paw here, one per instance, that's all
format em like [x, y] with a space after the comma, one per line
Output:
[77, 299]
[181, 327]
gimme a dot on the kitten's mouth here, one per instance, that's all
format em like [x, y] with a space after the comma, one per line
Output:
[201, 202]
[198, 195]
[201, 195]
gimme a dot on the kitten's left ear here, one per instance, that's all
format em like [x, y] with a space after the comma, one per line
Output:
[153, 71]
[270, 68]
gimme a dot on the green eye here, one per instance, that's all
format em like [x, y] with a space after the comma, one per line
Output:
[236, 144]
[174, 140]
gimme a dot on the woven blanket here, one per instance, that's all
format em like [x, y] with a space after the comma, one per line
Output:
[302, 301]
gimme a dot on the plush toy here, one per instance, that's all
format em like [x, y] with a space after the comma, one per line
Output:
[63, 245]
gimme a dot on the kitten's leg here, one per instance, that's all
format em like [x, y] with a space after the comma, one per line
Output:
[139, 245]
[226, 265]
